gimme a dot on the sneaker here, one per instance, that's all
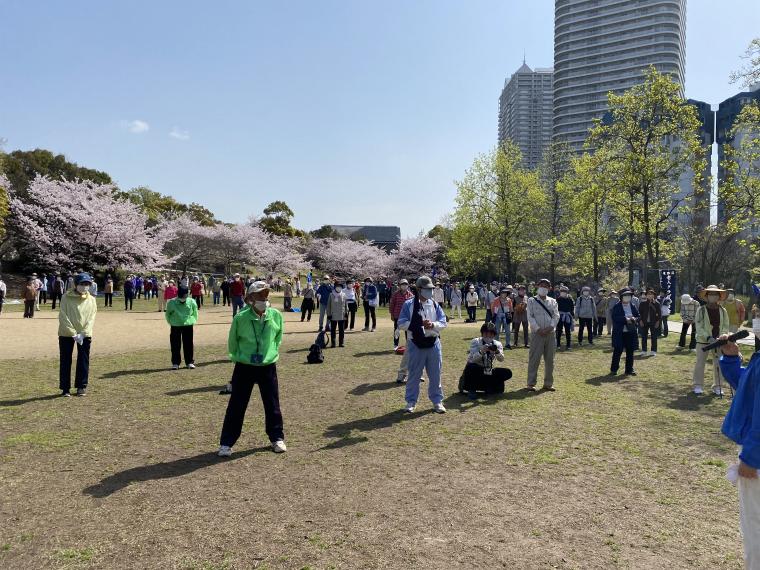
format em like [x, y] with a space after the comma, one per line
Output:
[439, 408]
[401, 380]
[652, 353]
[717, 391]
[548, 389]
[508, 347]
[372, 329]
[191, 366]
[410, 407]
[365, 329]
[65, 394]
[631, 373]
[643, 353]
[224, 451]
[279, 446]
[530, 388]
[81, 392]
[175, 366]
[698, 390]
[226, 390]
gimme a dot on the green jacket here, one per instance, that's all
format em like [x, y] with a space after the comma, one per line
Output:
[703, 326]
[251, 335]
[77, 314]
[181, 314]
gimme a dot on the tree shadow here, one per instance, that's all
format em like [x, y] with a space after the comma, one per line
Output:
[9, 403]
[198, 390]
[362, 389]
[373, 353]
[167, 470]
[120, 373]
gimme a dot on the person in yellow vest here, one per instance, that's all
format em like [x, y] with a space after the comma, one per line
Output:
[711, 322]
[736, 311]
[75, 323]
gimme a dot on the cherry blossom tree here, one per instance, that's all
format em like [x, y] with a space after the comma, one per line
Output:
[277, 255]
[65, 224]
[346, 258]
[414, 257]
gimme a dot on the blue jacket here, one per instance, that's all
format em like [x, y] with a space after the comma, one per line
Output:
[618, 325]
[324, 291]
[742, 423]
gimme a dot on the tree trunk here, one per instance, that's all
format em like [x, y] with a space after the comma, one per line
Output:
[552, 267]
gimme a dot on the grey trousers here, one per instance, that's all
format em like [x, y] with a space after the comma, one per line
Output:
[541, 346]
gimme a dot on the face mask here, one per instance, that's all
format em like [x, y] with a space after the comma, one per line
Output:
[426, 293]
[626, 298]
[563, 294]
[338, 289]
[82, 288]
[731, 296]
[585, 293]
[543, 291]
[403, 287]
[713, 298]
[261, 306]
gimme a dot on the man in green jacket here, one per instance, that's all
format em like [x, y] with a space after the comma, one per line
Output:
[75, 322]
[181, 313]
[253, 345]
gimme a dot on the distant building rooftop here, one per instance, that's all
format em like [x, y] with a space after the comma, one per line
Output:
[382, 235]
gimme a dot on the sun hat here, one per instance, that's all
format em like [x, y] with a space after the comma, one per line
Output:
[257, 287]
[403, 282]
[424, 282]
[563, 289]
[713, 289]
[82, 278]
[541, 281]
[626, 291]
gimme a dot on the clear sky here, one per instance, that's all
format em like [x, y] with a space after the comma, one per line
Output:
[353, 112]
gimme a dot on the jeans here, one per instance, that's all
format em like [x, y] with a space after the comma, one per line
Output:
[198, 301]
[287, 304]
[684, 330]
[244, 376]
[341, 327]
[472, 313]
[502, 323]
[217, 294]
[352, 306]
[369, 311]
[629, 345]
[647, 330]
[66, 351]
[225, 298]
[567, 328]
[600, 322]
[180, 337]
[56, 297]
[587, 324]
[237, 304]
[430, 360]
[664, 326]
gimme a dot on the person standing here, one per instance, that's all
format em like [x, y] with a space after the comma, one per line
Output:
[585, 310]
[612, 300]
[625, 318]
[382, 289]
[438, 295]
[455, 299]
[307, 304]
[108, 292]
[424, 319]
[196, 291]
[601, 301]
[129, 292]
[566, 323]
[472, 300]
[736, 311]
[351, 305]
[501, 314]
[225, 288]
[336, 313]
[253, 345]
[3, 293]
[739, 426]
[211, 285]
[520, 315]
[287, 304]
[490, 296]
[369, 301]
[711, 322]
[75, 323]
[323, 295]
[665, 303]
[543, 318]
[43, 290]
[181, 314]
[650, 313]
[397, 302]
[29, 296]
[58, 289]
[237, 291]
[216, 290]
[688, 314]
[170, 292]
[161, 286]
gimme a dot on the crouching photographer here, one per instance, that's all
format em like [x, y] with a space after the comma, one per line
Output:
[479, 373]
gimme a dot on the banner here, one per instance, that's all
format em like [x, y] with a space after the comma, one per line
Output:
[668, 282]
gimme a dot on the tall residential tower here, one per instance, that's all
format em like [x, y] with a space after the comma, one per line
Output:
[606, 45]
[525, 112]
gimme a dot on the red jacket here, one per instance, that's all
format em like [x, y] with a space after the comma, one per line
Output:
[397, 301]
[196, 289]
[237, 288]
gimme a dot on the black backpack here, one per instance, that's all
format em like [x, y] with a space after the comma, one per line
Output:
[315, 355]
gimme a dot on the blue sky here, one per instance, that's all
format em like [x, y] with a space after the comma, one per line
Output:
[353, 112]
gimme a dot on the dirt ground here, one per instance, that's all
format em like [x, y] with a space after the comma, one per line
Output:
[600, 474]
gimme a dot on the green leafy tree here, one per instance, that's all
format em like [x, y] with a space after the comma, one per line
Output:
[326, 231]
[497, 212]
[22, 166]
[158, 206]
[749, 74]
[276, 220]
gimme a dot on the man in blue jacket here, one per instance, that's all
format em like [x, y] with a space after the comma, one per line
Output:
[625, 318]
[323, 295]
[742, 425]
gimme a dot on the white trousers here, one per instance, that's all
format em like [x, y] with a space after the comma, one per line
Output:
[749, 519]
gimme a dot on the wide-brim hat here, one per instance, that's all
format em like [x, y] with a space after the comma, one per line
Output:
[713, 289]
[601, 290]
[542, 281]
[626, 291]
[504, 290]
[424, 282]
[258, 287]
[564, 289]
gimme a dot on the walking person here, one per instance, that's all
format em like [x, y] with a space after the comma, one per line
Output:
[501, 314]
[566, 323]
[543, 318]
[3, 293]
[369, 301]
[688, 314]
[424, 319]
[196, 292]
[625, 318]
[108, 292]
[651, 313]
[351, 305]
[397, 302]
[253, 345]
[181, 314]
[601, 301]
[237, 291]
[520, 315]
[75, 323]
[736, 311]
[472, 300]
[58, 289]
[129, 292]
[225, 288]
[711, 322]
[307, 304]
[585, 311]
[455, 299]
[336, 313]
[29, 296]
[323, 294]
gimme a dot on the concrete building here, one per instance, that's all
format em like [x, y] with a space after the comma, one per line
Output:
[384, 237]
[606, 45]
[525, 112]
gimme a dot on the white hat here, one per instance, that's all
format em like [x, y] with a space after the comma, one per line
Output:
[258, 287]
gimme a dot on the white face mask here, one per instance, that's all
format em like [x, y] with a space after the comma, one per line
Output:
[586, 293]
[626, 298]
[713, 298]
[338, 289]
[261, 306]
[543, 291]
[82, 288]
[426, 293]
[563, 294]
[731, 296]
[403, 287]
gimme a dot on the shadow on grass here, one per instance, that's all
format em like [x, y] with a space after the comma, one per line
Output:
[120, 373]
[199, 390]
[373, 353]
[462, 402]
[297, 350]
[344, 430]
[362, 389]
[605, 379]
[344, 442]
[167, 470]
[22, 401]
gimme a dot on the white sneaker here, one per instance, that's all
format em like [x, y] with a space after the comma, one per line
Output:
[698, 390]
[224, 451]
[175, 366]
[717, 391]
[372, 329]
[410, 408]
[439, 408]
[652, 353]
[643, 353]
[279, 446]
[191, 366]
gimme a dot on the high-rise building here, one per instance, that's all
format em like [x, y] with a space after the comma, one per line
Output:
[606, 45]
[525, 112]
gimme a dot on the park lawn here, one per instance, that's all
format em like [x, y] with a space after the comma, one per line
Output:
[623, 473]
